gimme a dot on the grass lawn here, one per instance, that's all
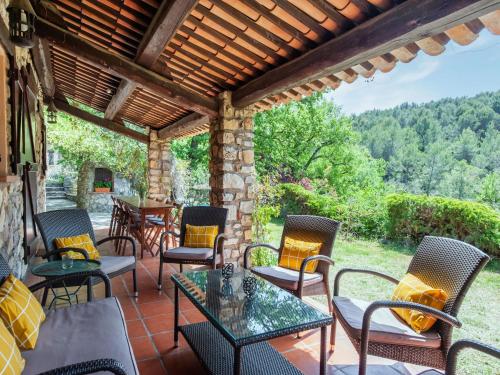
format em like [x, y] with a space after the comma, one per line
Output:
[480, 311]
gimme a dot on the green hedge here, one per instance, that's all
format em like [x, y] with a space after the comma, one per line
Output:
[414, 216]
[361, 216]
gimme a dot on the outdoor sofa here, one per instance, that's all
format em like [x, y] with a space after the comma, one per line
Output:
[80, 339]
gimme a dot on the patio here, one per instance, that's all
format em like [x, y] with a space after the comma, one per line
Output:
[155, 71]
[150, 325]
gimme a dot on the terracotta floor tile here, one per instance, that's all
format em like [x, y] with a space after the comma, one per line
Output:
[135, 328]
[143, 348]
[181, 362]
[304, 360]
[130, 312]
[287, 343]
[164, 342]
[162, 323]
[151, 367]
[156, 308]
[151, 296]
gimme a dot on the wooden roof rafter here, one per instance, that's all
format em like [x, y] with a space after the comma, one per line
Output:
[162, 28]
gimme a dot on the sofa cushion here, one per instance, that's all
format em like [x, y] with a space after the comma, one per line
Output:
[112, 264]
[190, 253]
[286, 278]
[79, 333]
[385, 326]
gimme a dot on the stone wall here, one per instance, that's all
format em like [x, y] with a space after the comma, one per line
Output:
[159, 167]
[11, 226]
[232, 173]
[11, 202]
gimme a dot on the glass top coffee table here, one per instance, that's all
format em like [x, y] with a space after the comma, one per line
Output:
[233, 341]
[55, 269]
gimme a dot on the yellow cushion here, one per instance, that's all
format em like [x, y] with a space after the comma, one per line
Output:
[11, 362]
[411, 289]
[83, 242]
[21, 313]
[295, 251]
[197, 236]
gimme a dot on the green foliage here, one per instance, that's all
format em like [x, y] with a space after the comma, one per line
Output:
[410, 217]
[103, 184]
[266, 208]
[447, 147]
[82, 145]
[312, 139]
[362, 215]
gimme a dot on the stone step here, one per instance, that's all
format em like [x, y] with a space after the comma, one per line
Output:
[54, 188]
[56, 194]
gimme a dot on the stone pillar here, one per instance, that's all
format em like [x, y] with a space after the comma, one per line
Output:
[232, 173]
[159, 167]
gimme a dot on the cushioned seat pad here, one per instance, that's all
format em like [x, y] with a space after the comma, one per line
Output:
[190, 253]
[286, 278]
[112, 264]
[79, 333]
[385, 326]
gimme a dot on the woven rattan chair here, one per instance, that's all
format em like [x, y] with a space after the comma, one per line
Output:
[399, 369]
[373, 329]
[74, 222]
[198, 216]
[310, 229]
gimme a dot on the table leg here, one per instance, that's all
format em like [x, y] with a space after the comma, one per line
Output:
[322, 360]
[90, 296]
[176, 316]
[237, 361]
[143, 240]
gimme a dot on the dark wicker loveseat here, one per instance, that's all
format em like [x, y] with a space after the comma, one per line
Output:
[80, 339]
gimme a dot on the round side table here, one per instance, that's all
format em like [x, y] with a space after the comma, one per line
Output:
[55, 269]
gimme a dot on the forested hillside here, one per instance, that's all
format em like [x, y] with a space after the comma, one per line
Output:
[449, 147]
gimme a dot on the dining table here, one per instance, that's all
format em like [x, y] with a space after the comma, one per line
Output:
[146, 207]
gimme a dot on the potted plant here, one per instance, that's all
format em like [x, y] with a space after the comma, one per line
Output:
[102, 186]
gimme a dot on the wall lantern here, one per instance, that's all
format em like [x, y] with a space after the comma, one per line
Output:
[52, 113]
[21, 23]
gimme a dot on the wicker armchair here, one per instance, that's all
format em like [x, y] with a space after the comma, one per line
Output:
[373, 329]
[304, 228]
[399, 369]
[74, 222]
[199, 216]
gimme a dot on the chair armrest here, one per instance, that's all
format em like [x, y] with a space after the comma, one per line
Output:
[64, 250]
[336, 284]
[320, 258]
[451, 360]
[365, 330]
[89, 367]
[219, 244]
[78, 275]
[112, 238]
[249, 249]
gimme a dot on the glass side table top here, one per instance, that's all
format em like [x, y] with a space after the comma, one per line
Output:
[270, 312]
[54, 268]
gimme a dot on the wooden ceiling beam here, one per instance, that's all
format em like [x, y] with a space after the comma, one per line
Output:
[126, 68]
[411, 21]
[63, 105]
[43, 66]
[162, 28]
[186, 124]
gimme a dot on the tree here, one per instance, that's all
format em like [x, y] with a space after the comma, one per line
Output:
[435, 164]
[466, 146]
[83, 146]
[308, 139]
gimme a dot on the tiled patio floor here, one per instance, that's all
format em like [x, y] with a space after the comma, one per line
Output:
[150, 322]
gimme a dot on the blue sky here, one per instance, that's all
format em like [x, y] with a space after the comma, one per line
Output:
[459, 71]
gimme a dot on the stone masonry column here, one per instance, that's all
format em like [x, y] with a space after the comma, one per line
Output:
[159, 167]
[232, 173]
